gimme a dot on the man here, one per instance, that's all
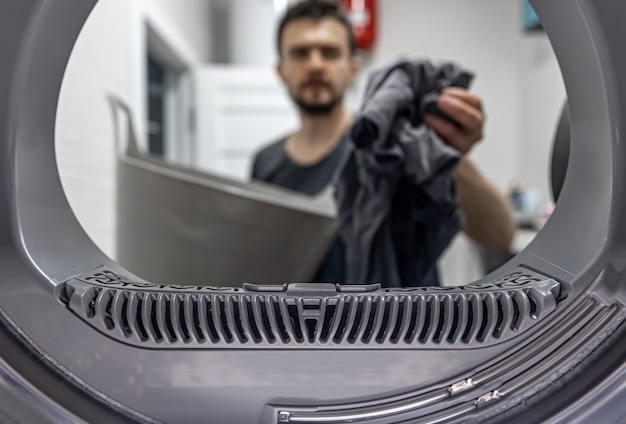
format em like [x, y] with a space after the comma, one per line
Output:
[316, 47]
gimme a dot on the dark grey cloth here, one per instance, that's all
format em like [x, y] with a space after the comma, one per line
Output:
[396, 193]
[273, 165]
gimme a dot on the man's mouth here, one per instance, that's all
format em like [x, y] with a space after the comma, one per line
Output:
[316, 85]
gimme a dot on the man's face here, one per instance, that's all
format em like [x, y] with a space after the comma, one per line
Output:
[316, 64]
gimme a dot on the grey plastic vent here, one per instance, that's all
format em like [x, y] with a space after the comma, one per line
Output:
[311, 315]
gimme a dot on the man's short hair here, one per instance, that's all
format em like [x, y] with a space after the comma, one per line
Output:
[317, 10]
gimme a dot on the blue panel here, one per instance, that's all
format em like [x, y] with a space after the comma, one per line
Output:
[531, 21]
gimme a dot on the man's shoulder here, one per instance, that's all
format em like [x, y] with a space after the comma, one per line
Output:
[271, 149]
[267, 158]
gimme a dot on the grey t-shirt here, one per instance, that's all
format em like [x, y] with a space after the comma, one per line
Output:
[272, 165]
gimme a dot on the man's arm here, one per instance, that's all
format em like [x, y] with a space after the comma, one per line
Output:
[489, 219]
[488, 216]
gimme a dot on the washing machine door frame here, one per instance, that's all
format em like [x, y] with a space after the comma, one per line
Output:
[57, 366]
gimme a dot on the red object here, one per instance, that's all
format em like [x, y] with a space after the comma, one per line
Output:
[362, 14]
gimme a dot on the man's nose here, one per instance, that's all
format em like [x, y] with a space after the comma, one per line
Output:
[316, 59]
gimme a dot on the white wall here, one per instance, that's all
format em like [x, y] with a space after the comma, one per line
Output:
[185, 20]
[109, 58]
[100, 65]
[251, 35]
[542, 102]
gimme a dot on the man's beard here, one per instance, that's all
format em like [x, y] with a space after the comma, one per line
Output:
[317, 108]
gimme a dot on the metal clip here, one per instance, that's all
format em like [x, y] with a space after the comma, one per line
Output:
[461, 386]
[488, 398]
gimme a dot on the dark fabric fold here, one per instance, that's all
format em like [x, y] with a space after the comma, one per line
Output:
[396, 193]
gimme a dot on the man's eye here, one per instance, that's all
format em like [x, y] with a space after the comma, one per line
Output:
[331, 53]
[299, 53]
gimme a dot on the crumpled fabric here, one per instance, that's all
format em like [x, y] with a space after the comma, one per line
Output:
[396, 192]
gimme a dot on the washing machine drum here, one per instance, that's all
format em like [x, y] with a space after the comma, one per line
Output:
[541, 338]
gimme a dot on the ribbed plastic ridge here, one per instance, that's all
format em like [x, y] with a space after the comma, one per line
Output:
[307, 316]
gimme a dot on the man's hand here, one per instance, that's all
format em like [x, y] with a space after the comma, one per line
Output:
[466, 109]
[488, 217]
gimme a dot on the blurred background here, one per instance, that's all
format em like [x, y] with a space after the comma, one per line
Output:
[198, 78]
